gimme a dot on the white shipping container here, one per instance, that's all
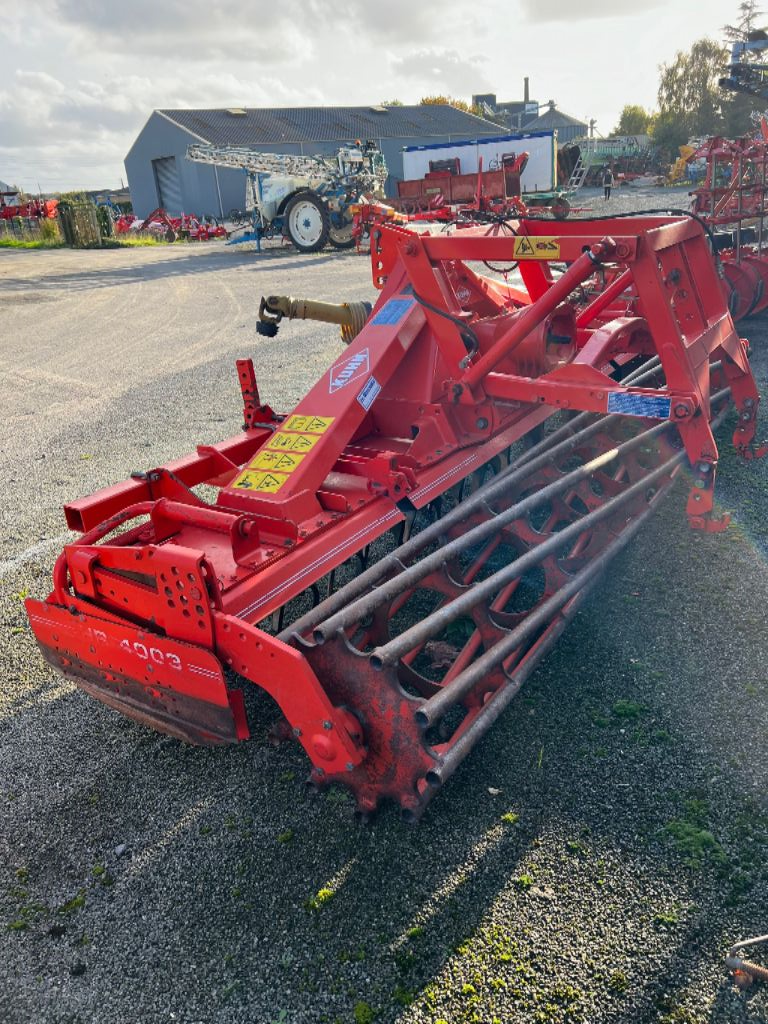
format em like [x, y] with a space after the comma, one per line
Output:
[540, 175]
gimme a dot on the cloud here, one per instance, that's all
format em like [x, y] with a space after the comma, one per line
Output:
[444, 71]
[566, 10]
[79, 132]
[193, 30]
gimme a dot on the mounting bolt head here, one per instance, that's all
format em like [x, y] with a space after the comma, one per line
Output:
[704, 467]
[482, 423]
[681, 410]
[327, 725]
[349, 766]
[296, 731]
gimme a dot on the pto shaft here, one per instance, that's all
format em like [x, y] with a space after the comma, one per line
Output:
[350, 316]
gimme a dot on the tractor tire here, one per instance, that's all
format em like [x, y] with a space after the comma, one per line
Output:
[306, 222]
[342, 237]
[561, 208]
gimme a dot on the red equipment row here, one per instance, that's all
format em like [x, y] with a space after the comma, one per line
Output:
[160, 223]
[42, 209]
[732, 200]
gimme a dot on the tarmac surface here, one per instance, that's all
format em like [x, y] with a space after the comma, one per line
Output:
[591, 861]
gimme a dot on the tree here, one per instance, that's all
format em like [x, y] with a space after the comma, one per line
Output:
[749, 14]
[633, 120]
[690, 102]
[739, 106]
[427, 101]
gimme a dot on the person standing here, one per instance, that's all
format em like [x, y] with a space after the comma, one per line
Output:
[607, 182]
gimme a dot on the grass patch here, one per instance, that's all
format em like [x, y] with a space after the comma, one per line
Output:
[627, 709]
[510, 818]
[666, 918]
[363, 1013]
[131, 242]
[692, 838]
[31, 243]
[618, 982]
[76, 903]
[319, 900]
[696, 844]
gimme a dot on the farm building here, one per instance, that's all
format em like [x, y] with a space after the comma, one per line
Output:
[160, 175]
[568, 128]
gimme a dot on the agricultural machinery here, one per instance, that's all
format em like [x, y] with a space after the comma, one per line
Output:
[391, 559]
[40, 209]
[309, 200]
[160, 223]
[732, 201]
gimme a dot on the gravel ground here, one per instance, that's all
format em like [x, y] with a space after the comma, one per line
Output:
[591, 861]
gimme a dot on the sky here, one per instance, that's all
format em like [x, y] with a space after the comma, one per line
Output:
[79, 78]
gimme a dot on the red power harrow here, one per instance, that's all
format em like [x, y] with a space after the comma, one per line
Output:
[387, 561]
[733, 201]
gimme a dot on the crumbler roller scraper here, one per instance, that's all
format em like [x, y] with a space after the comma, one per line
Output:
[388, 561]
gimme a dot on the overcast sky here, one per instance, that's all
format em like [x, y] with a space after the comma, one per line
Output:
[78, 78]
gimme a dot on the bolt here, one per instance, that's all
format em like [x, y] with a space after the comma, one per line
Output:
[482, 423]
[700, 484]
[349, 766]
[327, 725]
[704, 467]
[296, 731]
[681, 410]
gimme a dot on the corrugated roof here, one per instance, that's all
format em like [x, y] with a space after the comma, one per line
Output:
[261, 126]
[553, 118]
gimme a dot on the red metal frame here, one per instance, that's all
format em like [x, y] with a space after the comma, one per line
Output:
[450, 370]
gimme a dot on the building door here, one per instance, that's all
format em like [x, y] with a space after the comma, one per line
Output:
[168, 184]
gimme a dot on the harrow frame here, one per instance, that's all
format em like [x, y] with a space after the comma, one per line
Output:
[450, 371]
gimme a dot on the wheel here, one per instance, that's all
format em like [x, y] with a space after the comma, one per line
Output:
[561, 208]
[306, 219]
[341, 237]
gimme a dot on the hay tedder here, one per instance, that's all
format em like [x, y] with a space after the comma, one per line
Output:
[391, 559]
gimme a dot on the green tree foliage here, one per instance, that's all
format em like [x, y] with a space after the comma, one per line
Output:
[691, 102]
[633, 120]
[459, 104]
[749, 17]
[739, 107]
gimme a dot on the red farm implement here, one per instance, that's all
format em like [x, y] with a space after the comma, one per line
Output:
[160, 223]
[733, 201]
[387, 561]
[40, 209]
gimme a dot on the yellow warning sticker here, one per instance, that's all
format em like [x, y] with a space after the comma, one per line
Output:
[536, 247]
[253, 480]
[293, 442]
[285, 462]
[310, 424]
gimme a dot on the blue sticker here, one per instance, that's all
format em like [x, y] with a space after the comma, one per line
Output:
[647, 406]
[392, 311]
[367, 396]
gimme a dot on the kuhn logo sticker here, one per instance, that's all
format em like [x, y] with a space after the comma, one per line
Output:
[358, 365]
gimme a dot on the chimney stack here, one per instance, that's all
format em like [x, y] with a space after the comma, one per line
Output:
[526, 90]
